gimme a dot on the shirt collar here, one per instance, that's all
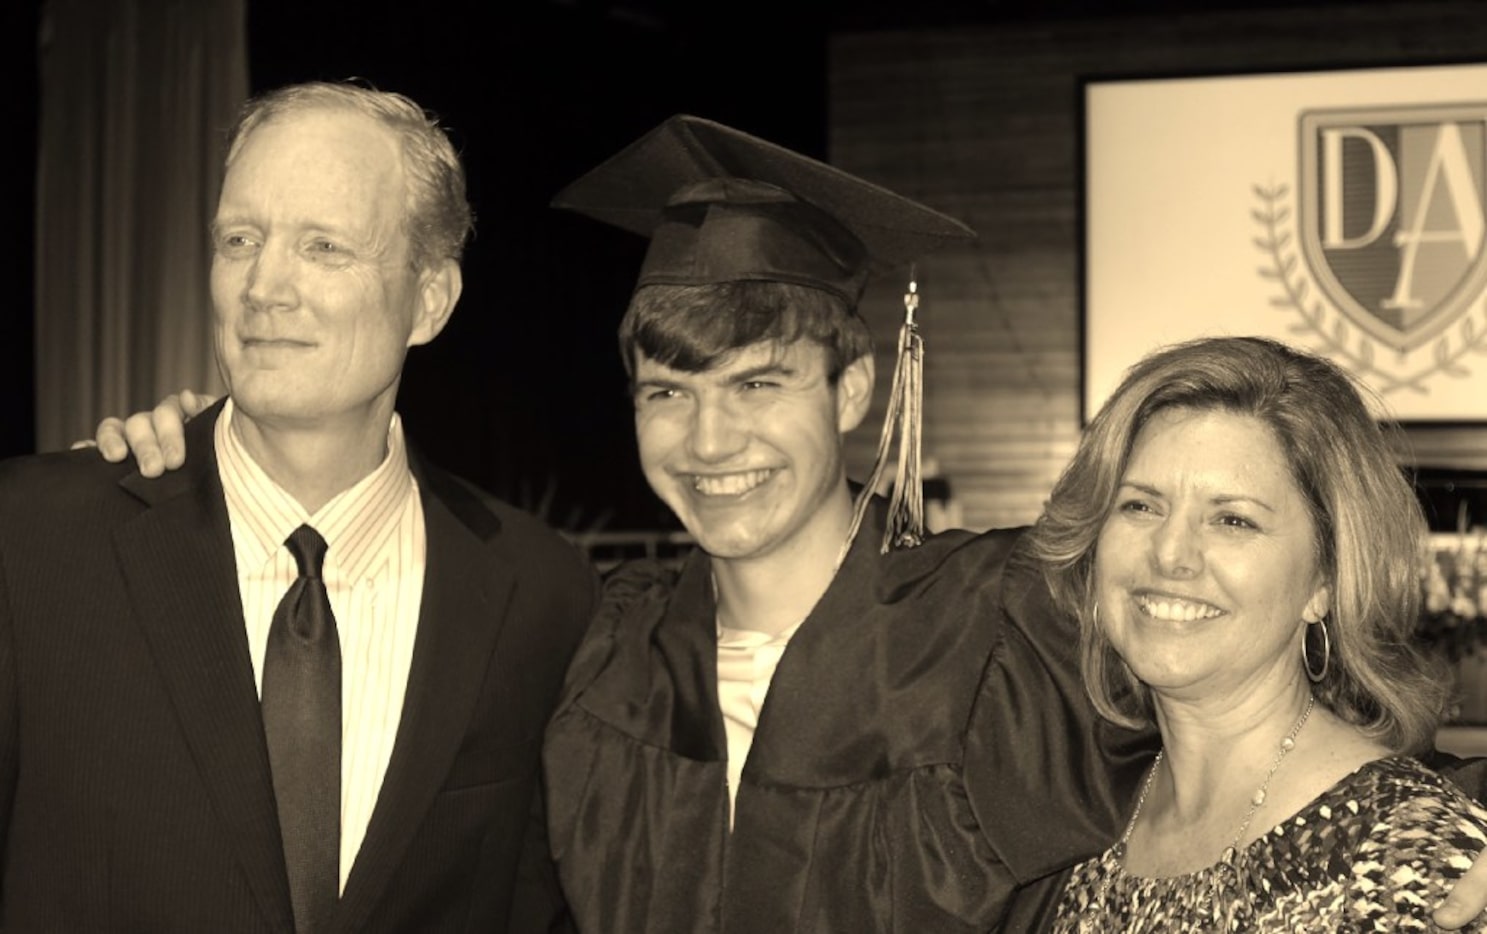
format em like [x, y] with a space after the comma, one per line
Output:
[355, 523]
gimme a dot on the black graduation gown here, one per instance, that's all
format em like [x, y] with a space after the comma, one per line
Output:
[925, 747]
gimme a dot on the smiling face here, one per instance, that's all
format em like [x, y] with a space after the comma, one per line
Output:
[1206, 567]
[314, 294]
[748, 454]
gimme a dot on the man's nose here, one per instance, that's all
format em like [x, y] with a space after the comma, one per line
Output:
[717, 432]
[270, 281]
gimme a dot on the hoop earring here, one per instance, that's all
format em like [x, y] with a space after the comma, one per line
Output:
[1316, 676]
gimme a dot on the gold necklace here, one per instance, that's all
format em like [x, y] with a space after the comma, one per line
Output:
[1257, 799]
[1229, 900]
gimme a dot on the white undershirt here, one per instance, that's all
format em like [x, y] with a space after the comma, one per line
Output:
[747, 660]
[374, 568]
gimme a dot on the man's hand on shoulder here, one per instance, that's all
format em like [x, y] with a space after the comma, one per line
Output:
[156, 438]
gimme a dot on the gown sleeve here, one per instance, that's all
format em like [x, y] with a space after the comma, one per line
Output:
[1051, 781]
[566, 766]
[1470, 775]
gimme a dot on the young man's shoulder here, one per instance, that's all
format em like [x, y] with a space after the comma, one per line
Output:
[978, 556]
[527, 539]
[642, 576]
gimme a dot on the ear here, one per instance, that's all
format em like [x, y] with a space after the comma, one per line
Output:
[854, 393]
[439, 288]
[1318, 606]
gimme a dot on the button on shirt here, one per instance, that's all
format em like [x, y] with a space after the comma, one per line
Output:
[374, 568]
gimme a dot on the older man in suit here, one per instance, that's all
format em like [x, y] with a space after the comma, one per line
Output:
[299, 685]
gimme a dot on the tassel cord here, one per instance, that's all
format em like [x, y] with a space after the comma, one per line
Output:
[904, 421]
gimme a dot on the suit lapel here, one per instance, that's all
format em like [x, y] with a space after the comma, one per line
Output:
[177, 562]
[465, 591]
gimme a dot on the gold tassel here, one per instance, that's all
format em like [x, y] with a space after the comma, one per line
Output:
[905, 420]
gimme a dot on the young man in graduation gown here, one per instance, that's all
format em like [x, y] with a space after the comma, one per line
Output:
[798, 731]
[801, 730]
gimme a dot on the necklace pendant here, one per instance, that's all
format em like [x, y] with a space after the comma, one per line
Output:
[1259, 798]
[1287, 744]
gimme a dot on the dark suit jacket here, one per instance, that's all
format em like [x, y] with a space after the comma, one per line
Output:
[134, 779]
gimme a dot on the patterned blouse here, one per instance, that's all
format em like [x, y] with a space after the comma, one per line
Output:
[1375, 852]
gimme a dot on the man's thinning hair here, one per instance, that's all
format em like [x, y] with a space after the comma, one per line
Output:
[696, 327]
[437, 217]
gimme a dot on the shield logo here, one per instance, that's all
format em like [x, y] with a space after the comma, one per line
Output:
[1391, 215]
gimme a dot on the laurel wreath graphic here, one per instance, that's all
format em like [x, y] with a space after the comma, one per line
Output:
[1340, 338]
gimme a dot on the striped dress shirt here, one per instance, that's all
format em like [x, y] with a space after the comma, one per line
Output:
[374, 567]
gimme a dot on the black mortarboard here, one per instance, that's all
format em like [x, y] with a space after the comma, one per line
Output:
[720, 205]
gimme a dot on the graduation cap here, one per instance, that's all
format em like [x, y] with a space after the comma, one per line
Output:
[720, 205]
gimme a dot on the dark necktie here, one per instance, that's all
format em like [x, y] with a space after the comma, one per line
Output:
[302, 721]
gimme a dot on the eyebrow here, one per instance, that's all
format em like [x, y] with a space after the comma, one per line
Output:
[1227, 500]
[653, 382]
[764, 369]
[1222, 500]
[742, 376]
[304, 225]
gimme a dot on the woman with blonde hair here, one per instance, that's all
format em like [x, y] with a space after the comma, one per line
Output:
[1243, 555]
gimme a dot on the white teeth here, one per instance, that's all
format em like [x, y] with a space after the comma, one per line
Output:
[1174, 610]
[731, 484]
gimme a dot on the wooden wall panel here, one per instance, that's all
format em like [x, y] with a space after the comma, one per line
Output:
[983, 123]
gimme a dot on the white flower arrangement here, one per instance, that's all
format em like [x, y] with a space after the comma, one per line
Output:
[1455, 593]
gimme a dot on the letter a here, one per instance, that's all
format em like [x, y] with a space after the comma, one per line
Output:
[1449, 165]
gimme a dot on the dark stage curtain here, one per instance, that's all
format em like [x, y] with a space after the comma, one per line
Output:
[136, 98]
